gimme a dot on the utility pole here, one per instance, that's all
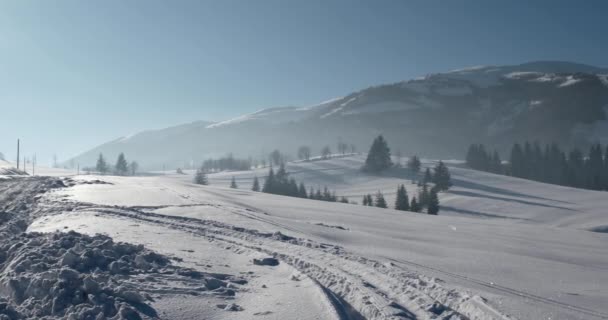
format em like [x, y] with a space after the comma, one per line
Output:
[18, 154]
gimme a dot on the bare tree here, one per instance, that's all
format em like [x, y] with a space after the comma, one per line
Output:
[304, 153]
[276, 157]
[325, 152]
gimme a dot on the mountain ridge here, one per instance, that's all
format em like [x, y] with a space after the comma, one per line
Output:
[436, 115]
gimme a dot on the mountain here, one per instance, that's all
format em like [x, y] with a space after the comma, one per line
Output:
[437, 115]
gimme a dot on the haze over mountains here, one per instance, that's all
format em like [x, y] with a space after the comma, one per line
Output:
[438, 115]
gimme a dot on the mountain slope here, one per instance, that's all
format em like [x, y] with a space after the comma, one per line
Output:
[437, 115]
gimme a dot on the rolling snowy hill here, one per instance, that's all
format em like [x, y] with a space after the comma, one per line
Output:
[501, 248]
[438, 115]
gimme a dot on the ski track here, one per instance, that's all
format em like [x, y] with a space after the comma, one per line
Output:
[368, 286]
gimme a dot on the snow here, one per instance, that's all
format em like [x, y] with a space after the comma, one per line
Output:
[271, 115]
[454, 91]
[570, 80]
[603, 78]
[385, 106]
[523, 75]
[501, 248]
[420, 87]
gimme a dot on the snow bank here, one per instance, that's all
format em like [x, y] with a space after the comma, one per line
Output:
[75, 276]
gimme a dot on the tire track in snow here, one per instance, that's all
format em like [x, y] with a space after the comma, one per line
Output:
[511, 291]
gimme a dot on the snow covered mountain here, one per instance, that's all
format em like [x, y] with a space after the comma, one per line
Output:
[437, 115]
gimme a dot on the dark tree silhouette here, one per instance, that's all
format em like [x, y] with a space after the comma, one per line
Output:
[379, 156]
[256, 184]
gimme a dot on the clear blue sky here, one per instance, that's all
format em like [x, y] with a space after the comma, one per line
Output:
[74, 74]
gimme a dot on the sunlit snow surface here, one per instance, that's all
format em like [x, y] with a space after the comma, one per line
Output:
[505, 246]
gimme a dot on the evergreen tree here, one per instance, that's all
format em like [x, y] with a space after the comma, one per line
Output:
[102, 166]
[201, 177]
[427, 176]
[414, 206]
[402, 201]
[606, 169]
[326, 194]
[517, 161]
[133, 167]
[122, 166]
[292, 188]
[441, 177]
[433, 203]
[379, 156]
[380, 202]
[233, 184]
[311, 193]
[370, 200]
[424, 196]
[318, 195]
[594, 166]
[414, 164]
[343, 199]
[256, 184]
[269, 183]
[364, 200]
[302, 191]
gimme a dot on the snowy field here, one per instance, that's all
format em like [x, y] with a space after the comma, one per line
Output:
[501, 248]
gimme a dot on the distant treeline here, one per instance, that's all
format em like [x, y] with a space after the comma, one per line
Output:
[280, 183]
[121, 168]
[228, 162]
[548, 163]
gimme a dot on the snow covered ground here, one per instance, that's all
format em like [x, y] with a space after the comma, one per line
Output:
[501, 248]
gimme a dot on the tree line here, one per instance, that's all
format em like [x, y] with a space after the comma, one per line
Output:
[548, 163]
[121, 168]
[378, 159]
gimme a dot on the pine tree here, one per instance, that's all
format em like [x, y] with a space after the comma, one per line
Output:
[302, 191]
[318, 195]
[201, 177]
[433, 203]
[414, 206]
[424, 196]
[379, 156]
[517, 161]
[133, 167]
[102, 166]
[122, 166]
[256, 184]
[402, 201]
[441, 177]
[311, 193]
[233, 184]
[413, 164]
[380, 202]
[326, 194]
[292, 188]
[365, 200]
[427, 176]
[343, 199]
[269, 183]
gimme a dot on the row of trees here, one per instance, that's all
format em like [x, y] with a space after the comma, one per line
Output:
[427, 199]
[228, 162]
[121, 168]
[280, 183]
[548, 163]
[305, 152]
